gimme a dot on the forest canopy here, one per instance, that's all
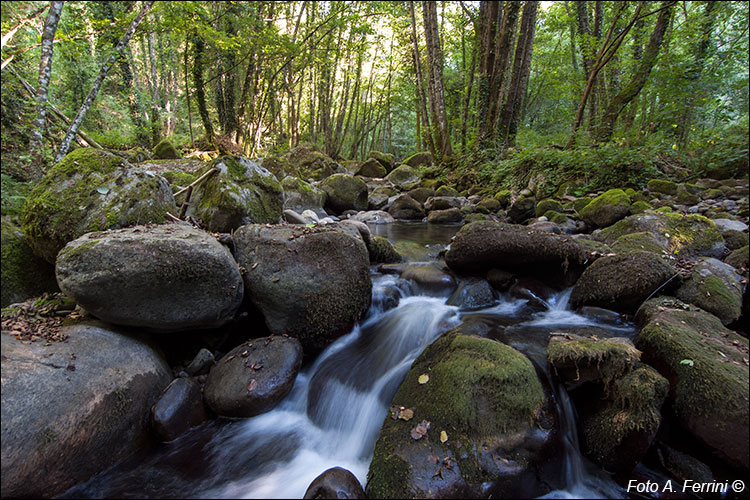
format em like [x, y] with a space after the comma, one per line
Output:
[472, 82]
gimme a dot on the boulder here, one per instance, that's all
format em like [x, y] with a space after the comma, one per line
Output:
[739, 259]
[242, 192]
[300, 196]
[638, 242]
[546, 205]
[91, 190]
[253, 377]
[310, 283]
[681, 236]
[179, 408]
[374, 217]
[522, 210]
[386, 159]
[201, 363]
[477, 426]
[579, 359]
[730, 224]
[606, 209]
[714, 287]
[491, 205]
[621, 282]
[404, 177]
[378, 198]
[421, 194]
[662, 186]
[345, 192]
[24, 275]
[472, 294]
[448, 216]
[419, 159]
[335, 483]
[65, 405]
[503, 197]
[307, 162]
[406, 207]
[371, 168]
[708, 376]
[481, 246]
[165, 151]
[167, 278]
[430, 278]
[735, 239]
[443, 203]
[381, 250]
[447, 191]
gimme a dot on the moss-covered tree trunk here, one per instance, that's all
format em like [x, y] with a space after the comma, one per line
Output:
[200, 91]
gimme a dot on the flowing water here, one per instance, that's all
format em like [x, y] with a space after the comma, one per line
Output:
[335, 410]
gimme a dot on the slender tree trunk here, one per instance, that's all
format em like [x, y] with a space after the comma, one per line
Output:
[65, 145]
[187, 94]
[420, 82]
[467, 98]
[503, 50]
[435, 61]
[200, 92]
[155, 114]
[45, 71]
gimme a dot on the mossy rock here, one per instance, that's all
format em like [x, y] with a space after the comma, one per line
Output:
[712, 194]
[387, 160]
[639, 207]
[306, 162]
[739, 258]
[621, 282]
[404, 177]
[91, 190]
[487, 398]
[638, 242]
[165, 151]
[371, 168]
[421, 194]
[714, 286]
[682, 236]
[556, 217]
[662, 186]
[735, 239]
[664, 210]
[345, 192]
[242, 192]
[606, 209]
[490, 204]
[580, 204]
[419, 159]
[178, 179]
[300, 196]
[578, 359]
[503, 197]
[24, 275]
[705, 365]
[620, 429]
[522, 210]
[446, 191]
[382, 251]
[567, 188]
[546, 205]
[685, 197]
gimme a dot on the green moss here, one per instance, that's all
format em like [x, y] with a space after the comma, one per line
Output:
[739, 258]
[712, 194]
[503, 197]
[607, 208]
[664, 210]
[381, 250]
[556, 217]
[580, 204]
[662, 186]
[46, 437]
[178, 179]
[639, 207]
[446, 191]
[684, 197]
[546, 205]
[165, 150]
[23, 274]
[692, 234]
[609, 357]
[635, 242]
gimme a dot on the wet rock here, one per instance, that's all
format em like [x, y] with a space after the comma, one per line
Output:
[310, 283]
[24, 275]
[472, 294]
[242, 192]
[488, 400]
[168, 277]
[201, 363]
[606, 209]
[600, 314]
[578, 359]
[404, 177]
[448, 216]
[381, 250]
[378, 198]
[546, 226]
[714, 287]
[335, 483]
[179, 408]
[443, 203]
[499, 279]
[735, 239]
[65, 404]
[406, 207]
[345, 192]
[91, 190]
[447, 191]
[429, 277]
[705, 365]
[684, 466]
[374, 217]
[621, 282]
[253, 377]
[522, 210]
[293, 217]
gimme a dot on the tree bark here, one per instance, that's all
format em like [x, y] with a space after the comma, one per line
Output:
[420, 83]
[45, 71]
[155, 114]
[435, 63]
[89, 101]
[200, 92]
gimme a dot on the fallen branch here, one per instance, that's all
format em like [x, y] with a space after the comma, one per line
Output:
[197, 181]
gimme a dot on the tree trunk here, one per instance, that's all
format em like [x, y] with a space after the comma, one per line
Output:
[420, 82]
[200, 92]
[45, 71]
[639, 78]
[65, 145]
[435, 62]
[155, 114]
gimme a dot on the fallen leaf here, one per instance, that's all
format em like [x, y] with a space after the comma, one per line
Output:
[439, 473]
[251, 385]
[443, 436]
[406, 414]
[420, 430]
[394, 411]
[433, 459]
[423, 379]
[447, 463]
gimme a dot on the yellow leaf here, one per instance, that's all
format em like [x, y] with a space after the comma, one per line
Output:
[443, 436]
[423, 379]
[406, 414]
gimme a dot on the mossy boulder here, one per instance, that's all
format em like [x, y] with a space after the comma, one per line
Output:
[447, 216]
[638, 242]
[24, 275]
[406, 207]
[169, 277]
[714, 286]
[419, 160]
[404, 177]
[307, 162]
[241, 192]
[523, 209]
[489, 204]
[735, 239]
[446, 191]
[371, 168]
[661, 186]
[64, 404]
[345, 192]
[682, 236]
[708, 376]
[487, 400]
[685, 197]
[387, 160]
[309, 283]
[165, 151]
[638, 207]
[503, 197]
[378, 198]
[618, 429]
[739, 259]
[606, 209]
[382, 251]
[300, 196]
[621, 282]
[178, 179]
[91, 190]
[578, 359]
[421, 194]
[580, 204]
[546, 205]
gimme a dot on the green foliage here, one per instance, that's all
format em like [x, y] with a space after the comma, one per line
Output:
[14, 194]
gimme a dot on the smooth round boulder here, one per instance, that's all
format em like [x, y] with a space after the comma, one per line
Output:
[522, 210]
[419, 159]
[71, 409]
[606, 209]
[714, 286]
[472, 294]
[335, 483]
[448, 216]
[310, 283]
[406, 207]
[253, 377]
[179, 408]
[166, 278]
[371, 168]
[345, 192]
[404, 177]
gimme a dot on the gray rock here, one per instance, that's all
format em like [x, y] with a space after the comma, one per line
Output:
[406, 207]
[404, 178]
[301, 196]
[522, 210]
[253, 377]
[200, 363]
[429, 277]
[293, 217]
[168, 277]
[345, 192]
[730, 224]
[714, 287]
[24, 274]
[374, 217]
[179, 408]
[335, 483]
[472, 294]
[448, 216]
[65, 404]
[371, 168]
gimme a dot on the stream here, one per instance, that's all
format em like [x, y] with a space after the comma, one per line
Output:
[338, 403]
